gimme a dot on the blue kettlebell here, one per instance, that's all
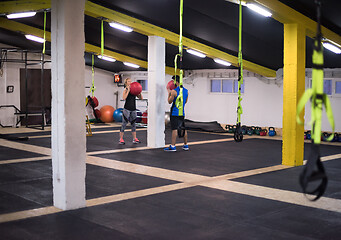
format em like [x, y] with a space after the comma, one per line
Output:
[308, 135]
[336, 137]
[272, 131]
[325, 136]
[244, 129]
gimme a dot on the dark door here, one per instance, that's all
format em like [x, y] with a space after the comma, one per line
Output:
[38, 94]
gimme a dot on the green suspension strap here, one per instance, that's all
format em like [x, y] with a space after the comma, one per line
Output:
[44, 32]
[238, 135]
[102, 38]
[93, 88]
[314, 170]
[180, 99]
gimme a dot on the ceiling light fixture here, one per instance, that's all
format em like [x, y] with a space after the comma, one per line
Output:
[35, 38]
[196, 53]
[106, 58]
[131, 65]
[332, 47]
[217, 60]
[21, 15]
[120, 27]
[259, 10]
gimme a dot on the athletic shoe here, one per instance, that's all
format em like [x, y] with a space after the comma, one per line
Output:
[170, 149]
[121, 141]
[185, 147]
[135, 141]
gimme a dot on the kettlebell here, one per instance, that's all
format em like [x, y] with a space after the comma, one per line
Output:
[257, 130]
[249, 131]
[336, 137]
[263, 132]
[244, 129]
[307, 135]
[272, 131]
[234, 127]
[325, 136]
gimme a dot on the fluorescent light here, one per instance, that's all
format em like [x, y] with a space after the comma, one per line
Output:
[332, 47]
[21, 15]
[35, 38]
[258, 9]
[131, 65]
[120, 27]
[217, 60]
[106, 58]
[196, 53]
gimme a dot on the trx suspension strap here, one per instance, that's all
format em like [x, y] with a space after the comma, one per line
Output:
[180, 99]
[93, 88]
[44, 32]
[314, 171]
[238, 135]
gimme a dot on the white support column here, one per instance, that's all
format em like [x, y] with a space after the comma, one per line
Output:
[156, 92]
[68, 115]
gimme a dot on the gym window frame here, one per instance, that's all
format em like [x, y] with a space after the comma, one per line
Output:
[233, 88]
[332, 83]
[144, 83]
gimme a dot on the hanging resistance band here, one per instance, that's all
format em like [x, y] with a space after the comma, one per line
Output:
[44, 32]
[238, 135]
[102, 38]
[180, 98]
[93, 88]
[314, 170]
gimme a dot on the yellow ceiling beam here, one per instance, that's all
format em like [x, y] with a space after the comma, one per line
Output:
[97, 11]
[7, 7]
[25, 29]
[284, 14]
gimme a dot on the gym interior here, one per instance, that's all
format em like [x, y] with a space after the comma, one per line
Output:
[263, 119]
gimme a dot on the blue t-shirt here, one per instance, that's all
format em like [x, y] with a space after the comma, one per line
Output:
[174, 109]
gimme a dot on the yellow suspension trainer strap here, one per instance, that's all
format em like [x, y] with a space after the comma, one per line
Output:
[44, 32]
[93, 88]
[180, 98]
[314, 171]
[238, 135]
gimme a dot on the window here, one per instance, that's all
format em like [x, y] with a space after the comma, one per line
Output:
[327, 87]
[236, 87]
[228, 86]
[215, 85]
[338, 87]
[225, 86]
[144, 84]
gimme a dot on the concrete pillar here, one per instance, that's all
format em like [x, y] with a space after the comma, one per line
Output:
[156, 92]
[68, 103]
[293, 89]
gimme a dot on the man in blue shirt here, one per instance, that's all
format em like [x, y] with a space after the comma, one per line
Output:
[177, 116]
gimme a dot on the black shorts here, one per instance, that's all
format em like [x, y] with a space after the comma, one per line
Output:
[177, 121]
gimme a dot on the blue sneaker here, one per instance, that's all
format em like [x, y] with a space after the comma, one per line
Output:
[185, 147]
[170, 149]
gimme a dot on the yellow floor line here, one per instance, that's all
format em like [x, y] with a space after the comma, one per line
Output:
[145, 170]
[25, 147]
[94, 132]
[25, 160]
[136, 194]
[28, 214]
[291, 197]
